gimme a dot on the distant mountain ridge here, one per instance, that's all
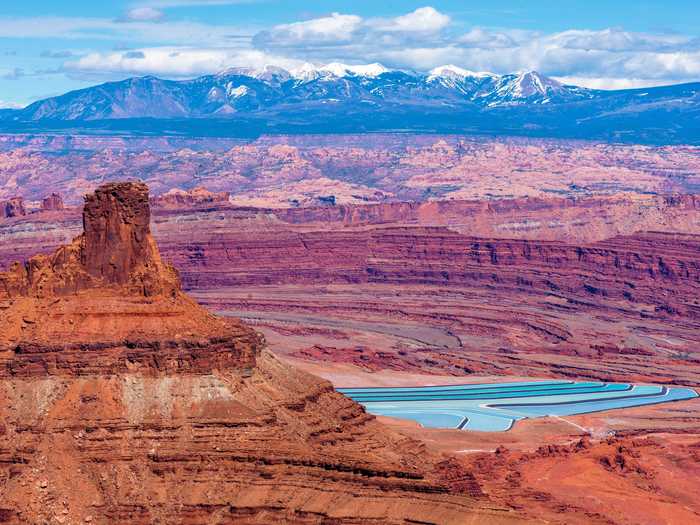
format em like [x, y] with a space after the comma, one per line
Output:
[344, 98]
[244, 90]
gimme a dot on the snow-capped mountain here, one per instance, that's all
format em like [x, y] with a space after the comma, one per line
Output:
[337, 70]
[271, 74]
[352, 98]
[469, 83]
[452, 71]
[531, 87]
[248, 89]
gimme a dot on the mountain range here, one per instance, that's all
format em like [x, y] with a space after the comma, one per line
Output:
[339, 98]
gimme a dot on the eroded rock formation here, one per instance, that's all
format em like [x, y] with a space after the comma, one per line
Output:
[556, 300]
[123, 401]
[53, 202]
[177, 198]
[659, 269]
[116, 249]
[286, 171]
[13, 207]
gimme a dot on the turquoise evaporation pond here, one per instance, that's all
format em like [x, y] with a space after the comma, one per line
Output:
[495, 407]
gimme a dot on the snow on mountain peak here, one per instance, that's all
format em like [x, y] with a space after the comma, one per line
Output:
[451, 70]
[531, 82]
[265, 72]
[527, 85]
[306, 71]
[237, 91]
[494, 90]
[336, 69]
[368, 70]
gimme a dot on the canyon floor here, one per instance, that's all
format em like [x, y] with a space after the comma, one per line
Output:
[648, 457]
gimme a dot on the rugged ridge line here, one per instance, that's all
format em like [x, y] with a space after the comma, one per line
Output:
[334, 101]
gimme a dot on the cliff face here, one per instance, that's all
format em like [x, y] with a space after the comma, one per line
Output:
[185, 220]
[117, 246]
[109, 292]
[116, 249]
[514, 216]
[123, 401]
[624, 309]
[651, 268]
[582, 220]
[116, 220]
[568, 295]
[53, 202]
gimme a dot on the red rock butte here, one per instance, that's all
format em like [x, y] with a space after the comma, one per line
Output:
[123, 401]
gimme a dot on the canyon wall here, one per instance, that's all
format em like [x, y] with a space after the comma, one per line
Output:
[181, 216]
[650, 268]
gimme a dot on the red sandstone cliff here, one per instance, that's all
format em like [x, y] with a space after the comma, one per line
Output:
[53, 202]
[573, 306]
[123, 401]
[177, 198]
[624, 309]
[13, 207]
[116, 248]
[660, 269]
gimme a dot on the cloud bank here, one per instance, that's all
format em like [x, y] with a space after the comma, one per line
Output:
[426, 38]
[419, 40]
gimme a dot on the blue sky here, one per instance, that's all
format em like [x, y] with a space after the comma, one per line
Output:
[50, 46]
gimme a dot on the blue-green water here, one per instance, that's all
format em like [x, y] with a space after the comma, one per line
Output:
[496, 407]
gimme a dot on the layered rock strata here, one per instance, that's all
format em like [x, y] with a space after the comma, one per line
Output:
[182, 219]
[661, 269]
[123, 401]
[480, 301]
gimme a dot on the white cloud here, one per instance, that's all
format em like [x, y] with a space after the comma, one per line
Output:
[422, 20]
[613, 39]
[329, 30]
[421, 39]
[141, 14]
[679, 64]
[611, 83]
[136, 31]
[479, 37]
[175, 62]
[345, 29]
